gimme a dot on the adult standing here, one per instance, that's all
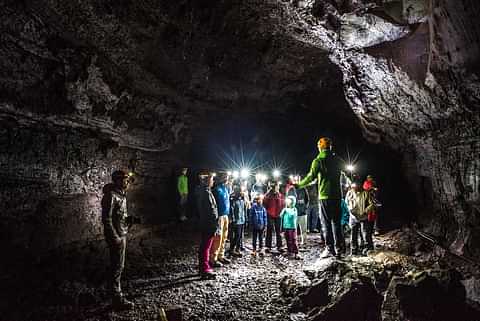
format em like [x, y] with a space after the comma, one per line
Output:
[222, 196]
[370, 185]
[312, 211]
[274, 203]
[182, 189]
[326, 168]
[302, 206]
[115, 227]
[208, 223]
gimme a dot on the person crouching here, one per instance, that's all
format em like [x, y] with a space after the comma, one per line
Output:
[289, 218]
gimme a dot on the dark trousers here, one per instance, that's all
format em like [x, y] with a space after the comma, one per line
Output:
[291, 238]
[273, 224]
[366, 229]
[206, 241]
[117, 264]
[257, 235]
[237, 237]
[313, 219]
[330, 215]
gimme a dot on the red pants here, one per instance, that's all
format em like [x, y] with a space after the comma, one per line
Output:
[204, 252]
[291, 237]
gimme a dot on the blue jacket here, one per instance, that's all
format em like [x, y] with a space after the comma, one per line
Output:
[222, 196]
[258, 216]
[238, 211]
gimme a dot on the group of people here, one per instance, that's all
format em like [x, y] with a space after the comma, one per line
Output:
[275, 213]
[266, 211]
[227, 207]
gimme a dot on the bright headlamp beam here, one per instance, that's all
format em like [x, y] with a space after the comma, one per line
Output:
[244, 173]
[276, 173]
[235, 174]
[350, 168]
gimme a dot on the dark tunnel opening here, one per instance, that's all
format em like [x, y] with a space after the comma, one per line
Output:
[288, 141]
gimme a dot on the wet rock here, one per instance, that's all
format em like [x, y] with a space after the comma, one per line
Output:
[427, 295]
[316, 296]
[368, 30]
[472, 289]
[358, 302]
[340, 291]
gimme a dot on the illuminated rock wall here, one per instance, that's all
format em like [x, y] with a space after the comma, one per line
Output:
[87, 86]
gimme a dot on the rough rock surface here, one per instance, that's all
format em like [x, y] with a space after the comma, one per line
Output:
[87, 86]
[161, 272]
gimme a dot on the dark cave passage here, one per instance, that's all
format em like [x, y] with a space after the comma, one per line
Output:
[264, 142]
[148, 87]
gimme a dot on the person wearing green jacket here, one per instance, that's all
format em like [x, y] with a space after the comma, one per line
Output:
[326, 169]
[182, 189]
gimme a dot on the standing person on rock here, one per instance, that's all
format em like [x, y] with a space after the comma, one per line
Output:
[208, 223]
[326, 169]
[115, 221]
[222, 196]
[182, 189]
[274, 203]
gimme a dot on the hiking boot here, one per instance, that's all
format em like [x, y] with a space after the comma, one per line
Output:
[224, 261]
[353, 252]
[237, 253]
[254, 253]
[119, 303]
[268, 250]
[297, 257]
[208, 275]
[216, 264]
[366, 250]
[326, 253]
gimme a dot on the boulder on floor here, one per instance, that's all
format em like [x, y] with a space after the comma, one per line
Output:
[427, 296]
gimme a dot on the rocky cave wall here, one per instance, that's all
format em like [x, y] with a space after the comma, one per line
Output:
[87, 87]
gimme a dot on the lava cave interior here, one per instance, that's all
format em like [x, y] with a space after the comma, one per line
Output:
[89, 87]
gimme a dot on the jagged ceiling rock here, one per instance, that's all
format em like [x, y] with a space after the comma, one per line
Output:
[368, 30]
[146, 75]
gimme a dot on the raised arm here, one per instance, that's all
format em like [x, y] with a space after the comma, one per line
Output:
[312, 174]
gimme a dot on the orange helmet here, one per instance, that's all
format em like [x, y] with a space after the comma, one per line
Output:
[324, 143]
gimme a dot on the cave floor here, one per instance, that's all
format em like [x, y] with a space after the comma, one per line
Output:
[161, 272]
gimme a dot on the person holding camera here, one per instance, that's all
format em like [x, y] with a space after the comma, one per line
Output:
[116, 223]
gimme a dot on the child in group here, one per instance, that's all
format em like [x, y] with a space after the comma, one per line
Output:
[289, 219]
[360, 203]
[238, 213]
[258, 222]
